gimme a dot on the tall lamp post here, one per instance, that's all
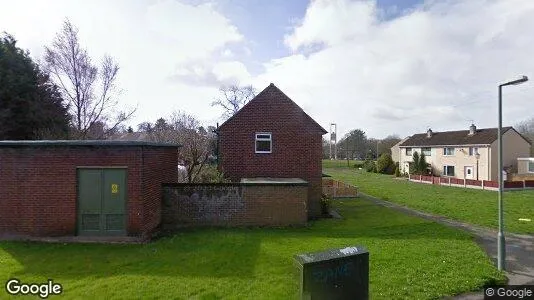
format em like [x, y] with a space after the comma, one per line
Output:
[477, 156]
[501, 247]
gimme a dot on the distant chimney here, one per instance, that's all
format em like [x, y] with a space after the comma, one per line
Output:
[429, 133]
[472, 129]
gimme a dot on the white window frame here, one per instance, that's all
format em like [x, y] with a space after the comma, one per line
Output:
[529, 170]
[406, 151]
[262, 139]
[445, 151]
[473, 151]
[429, 151]
[445, 170]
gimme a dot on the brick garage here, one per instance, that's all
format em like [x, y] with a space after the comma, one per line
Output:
[296, 143]
[266, 202]
[39, 183]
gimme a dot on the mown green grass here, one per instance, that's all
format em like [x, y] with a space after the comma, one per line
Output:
[339, 163]
[468, 205]
[410, 258]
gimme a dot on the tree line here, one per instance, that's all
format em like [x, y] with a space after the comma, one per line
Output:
[355, 145]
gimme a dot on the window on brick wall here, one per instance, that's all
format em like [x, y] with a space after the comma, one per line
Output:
[264, 142]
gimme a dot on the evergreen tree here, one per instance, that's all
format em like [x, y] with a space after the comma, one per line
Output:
[422, 164]
[414, 166]
[30, 104]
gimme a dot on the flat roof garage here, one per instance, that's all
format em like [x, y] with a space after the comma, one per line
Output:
[86, 188]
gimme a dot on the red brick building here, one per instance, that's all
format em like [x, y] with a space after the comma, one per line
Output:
[271, 136]
[91, 188]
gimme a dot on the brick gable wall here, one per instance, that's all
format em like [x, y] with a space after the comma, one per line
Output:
[296, 146]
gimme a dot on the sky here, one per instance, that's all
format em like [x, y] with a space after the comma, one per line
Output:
[384, 66]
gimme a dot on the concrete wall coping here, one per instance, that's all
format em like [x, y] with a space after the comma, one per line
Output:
[229, 184]
[83, 143]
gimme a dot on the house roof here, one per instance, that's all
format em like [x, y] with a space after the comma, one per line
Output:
[400, 142]
[483, 136]
[267, 94]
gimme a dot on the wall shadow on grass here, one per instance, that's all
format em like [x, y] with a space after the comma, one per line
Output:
[209, 253]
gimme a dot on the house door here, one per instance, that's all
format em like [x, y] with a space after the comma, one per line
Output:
[469, 173]
[101, 201]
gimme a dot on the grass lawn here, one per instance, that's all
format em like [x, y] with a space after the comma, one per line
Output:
[468, 205]
[340, 163]
[410, 259]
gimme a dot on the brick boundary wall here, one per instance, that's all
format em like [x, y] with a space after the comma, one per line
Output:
[234, 204]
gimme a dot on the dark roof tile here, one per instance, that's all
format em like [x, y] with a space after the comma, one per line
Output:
[273, 92]
[484, 136]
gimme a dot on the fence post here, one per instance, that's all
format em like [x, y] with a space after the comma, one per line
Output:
[449, 181]
[465, 183]
[420, 178]
[482, 183]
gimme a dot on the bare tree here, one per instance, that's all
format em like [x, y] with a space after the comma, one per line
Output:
[89, 89]
[526, 128]
[233, 97]
[195, 148]
[196, 143]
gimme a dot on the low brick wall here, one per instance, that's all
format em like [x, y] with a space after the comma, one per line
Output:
[234, 204]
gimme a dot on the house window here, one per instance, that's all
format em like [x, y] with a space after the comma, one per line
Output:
[427, 151]
[264, 142]
[448, 151]
[531, 166]
[408, 151]
[473, 151]
[448, 170]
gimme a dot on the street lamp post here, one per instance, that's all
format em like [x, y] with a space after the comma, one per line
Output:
[501, 247]
[477, 156]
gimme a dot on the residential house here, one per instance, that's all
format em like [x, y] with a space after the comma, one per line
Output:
[525, 166]
[395, 150]
[271, 136]
[470, 154]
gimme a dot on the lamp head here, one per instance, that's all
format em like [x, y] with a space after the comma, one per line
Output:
[517, 81]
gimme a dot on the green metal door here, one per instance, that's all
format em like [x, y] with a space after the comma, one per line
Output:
[101, 201]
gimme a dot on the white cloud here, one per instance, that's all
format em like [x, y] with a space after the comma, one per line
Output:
[438, 65]
[232, 71]
[195, 31]
[326, 21]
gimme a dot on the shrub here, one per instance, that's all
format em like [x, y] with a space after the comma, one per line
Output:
[358, 165]
[326, 203]
[397, 171]
[385, 164]
[369, 166]
[210, 174]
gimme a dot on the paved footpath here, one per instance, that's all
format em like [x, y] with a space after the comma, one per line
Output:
[519, 248]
